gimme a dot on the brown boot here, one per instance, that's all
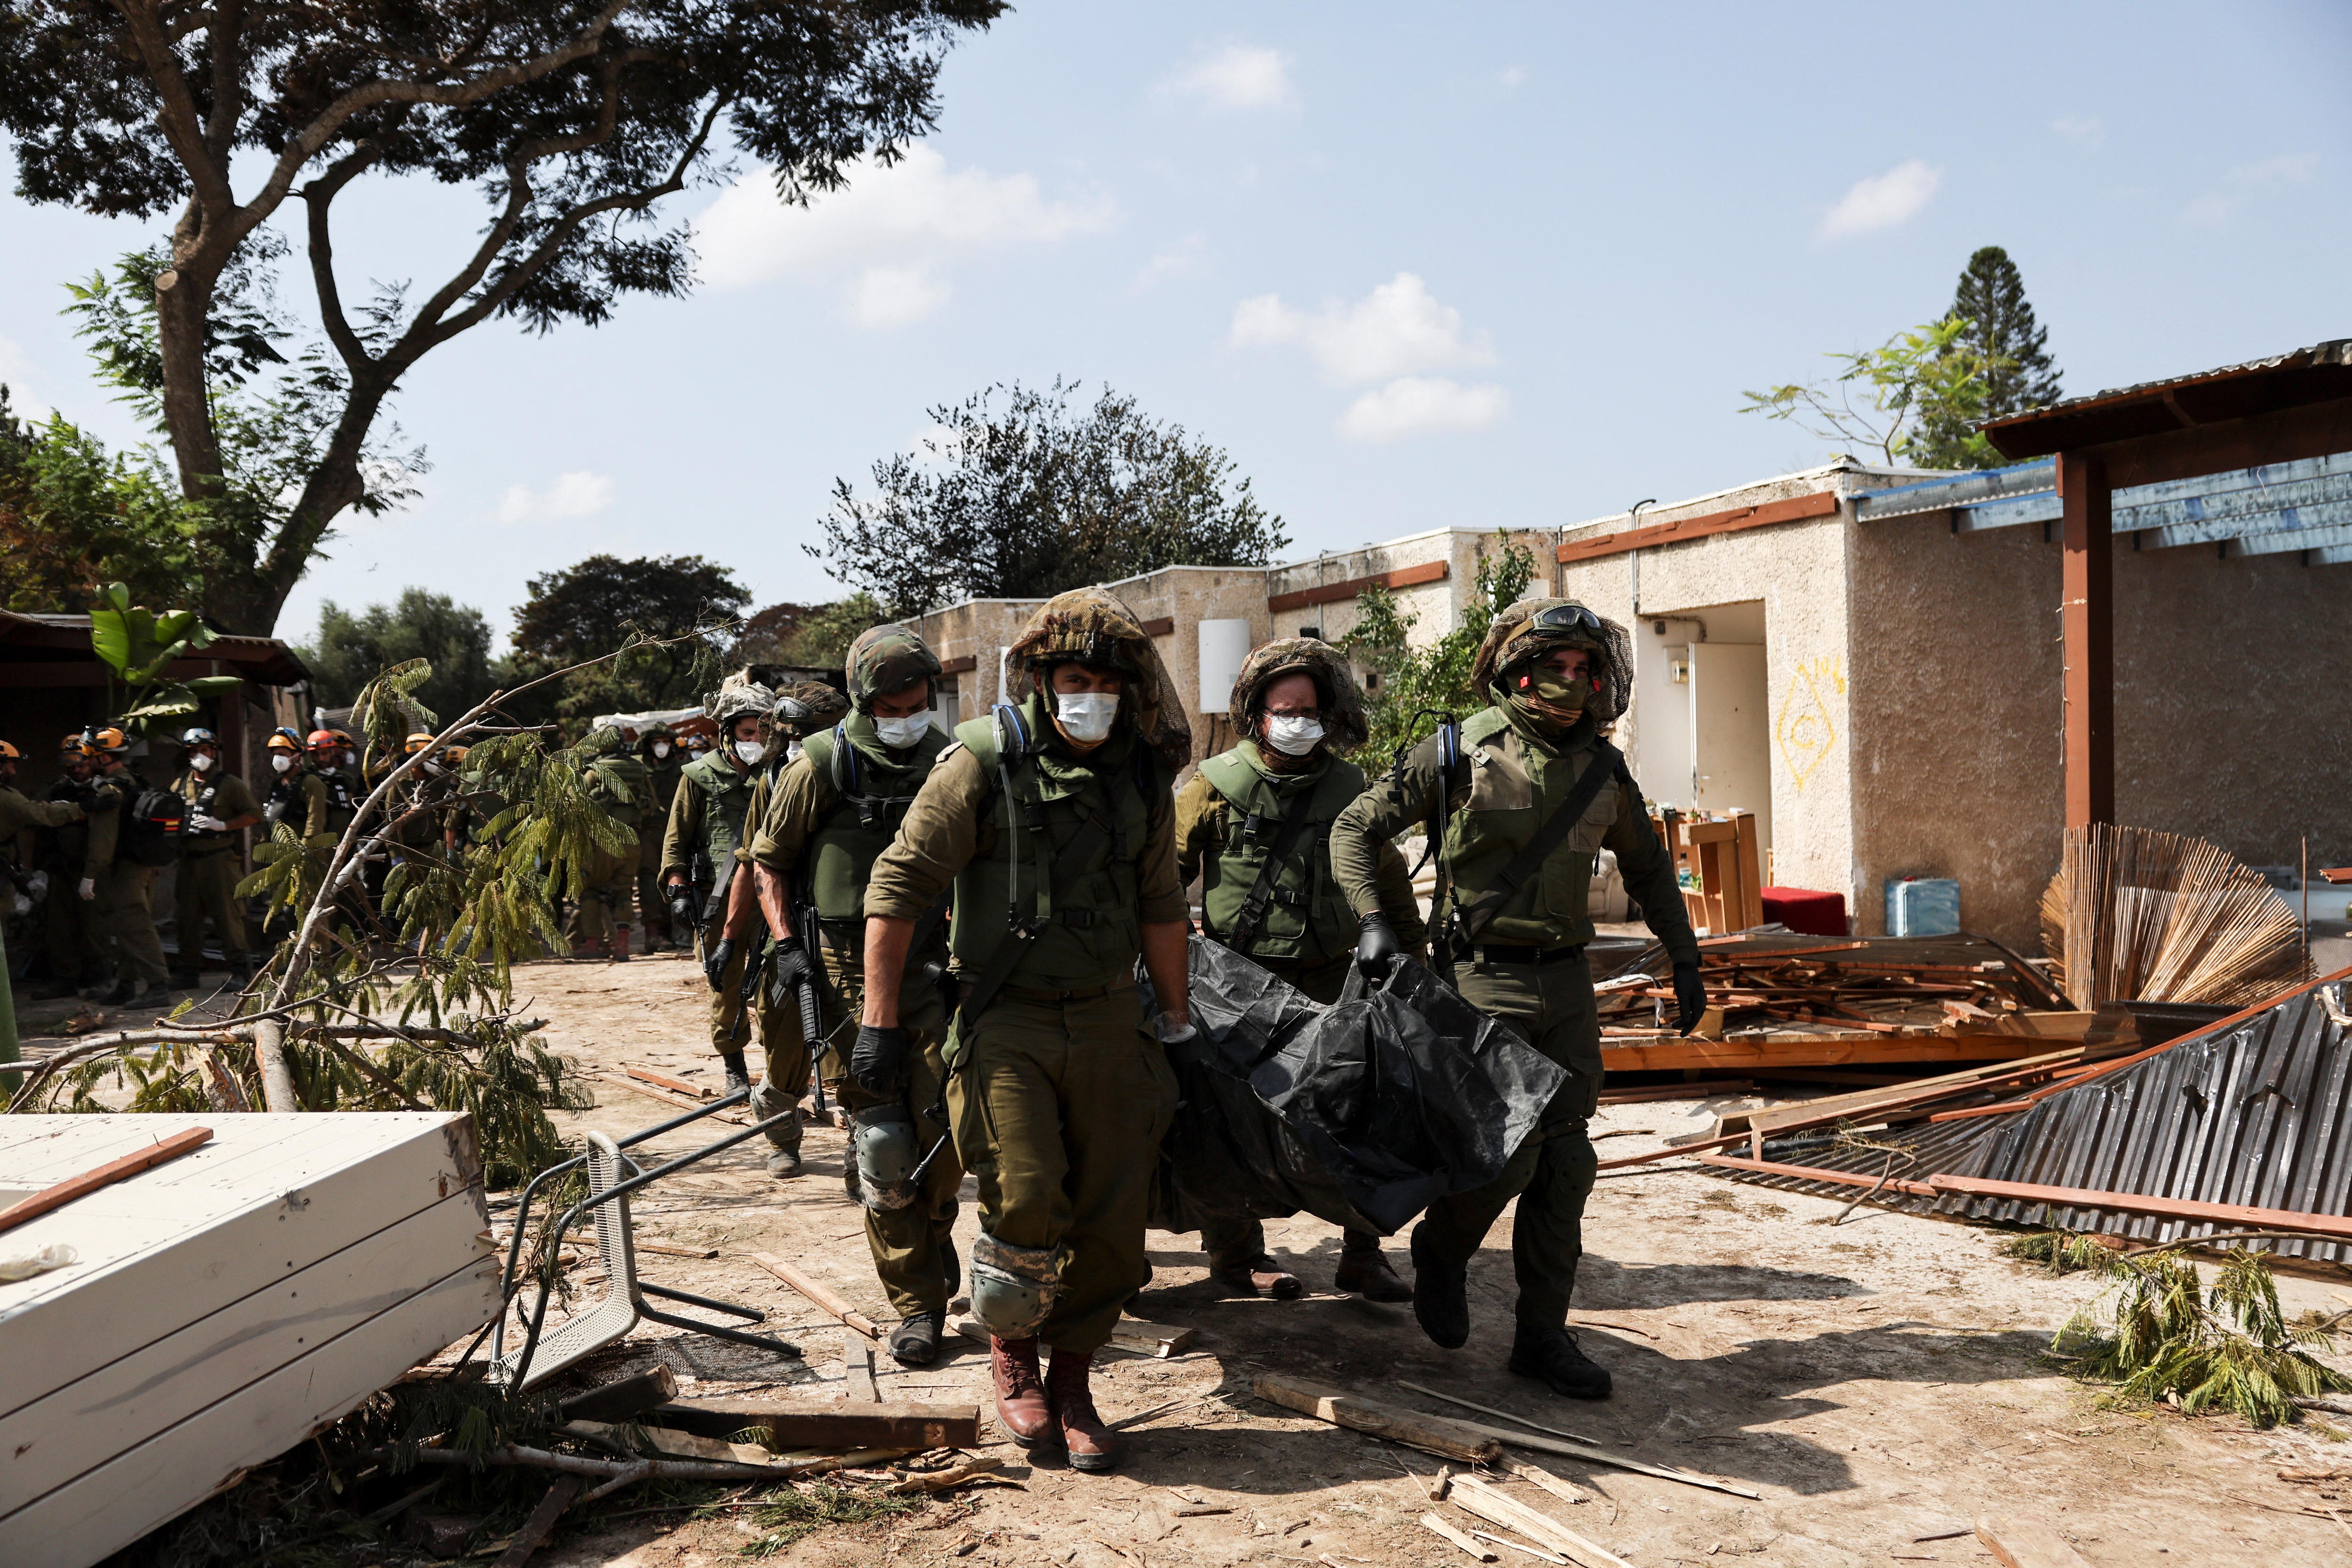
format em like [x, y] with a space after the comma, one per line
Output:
[1092, 1446]
[1364, 1271]
[620, 944]
[1259, 1275]
[1021, 1393]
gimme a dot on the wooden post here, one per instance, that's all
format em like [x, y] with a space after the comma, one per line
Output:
[2087, 623]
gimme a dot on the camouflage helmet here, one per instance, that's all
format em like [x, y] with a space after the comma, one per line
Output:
[807, 706]
[1091, 627]
[1532, 628]
[1344, 725]
[737, 697]
[885, 659]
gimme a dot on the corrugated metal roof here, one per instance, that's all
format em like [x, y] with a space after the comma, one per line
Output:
[2297, 379]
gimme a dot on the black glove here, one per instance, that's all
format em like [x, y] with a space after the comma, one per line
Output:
[681, 907]
[1690, 997]
[1377, 947]
[789, 969]
[878, 1058]
[714, 961]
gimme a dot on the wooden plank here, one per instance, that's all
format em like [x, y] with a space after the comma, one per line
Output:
[666, 1097]
[1774, 1118]
[1445, 1531]
[105, 1175]
[1795, 509]
[675, 1085]
[542, 1523]
[857, 1368]
[619, 1401]
[2245, 1215]
[1543, 1445]
[1490, 1502]
[2021, 1543]
[108, 1508]
[1336, 593]
[1814, 1173]
[1432, 1434]
[823, 1295]
[802, 1426]
[669, 1441]
[1666, 1053]
[1130, 1334]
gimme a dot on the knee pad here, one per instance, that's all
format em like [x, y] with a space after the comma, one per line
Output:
[884, 1136]
[1013, 1288]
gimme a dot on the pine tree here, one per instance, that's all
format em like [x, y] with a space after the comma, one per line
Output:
[2002, 336]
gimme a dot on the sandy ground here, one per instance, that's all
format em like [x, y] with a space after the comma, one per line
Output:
[1874, 1381]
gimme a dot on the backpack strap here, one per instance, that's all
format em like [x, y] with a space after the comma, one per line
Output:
[1608, 763]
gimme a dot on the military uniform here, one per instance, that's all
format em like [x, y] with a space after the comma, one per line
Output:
[705, 823]
[16, 814]
[70, 932]
[1058, 1091]
[1526, 966]
[204, 887]
[123, 897]
[605, 906]
[661, 781]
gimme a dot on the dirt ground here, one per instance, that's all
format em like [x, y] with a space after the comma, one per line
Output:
[1875, 1380]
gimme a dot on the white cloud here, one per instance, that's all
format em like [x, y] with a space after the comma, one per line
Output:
[2246, 179]
[1420, 406]
[573, 495]
[1510, 77]
[1883, 201]
[20, 374]
[1238, 76]
[2083, 128]
[1182, 260]
[884, 240]
[1396, 330]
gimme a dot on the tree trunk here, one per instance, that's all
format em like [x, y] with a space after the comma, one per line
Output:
[276, 1073]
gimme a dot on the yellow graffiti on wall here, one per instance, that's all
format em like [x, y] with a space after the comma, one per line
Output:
[1806, 729]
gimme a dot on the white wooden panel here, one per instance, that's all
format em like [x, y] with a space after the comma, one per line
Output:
[55, 1438]
[1731, 732]
[79, 1524]
[269, 1196]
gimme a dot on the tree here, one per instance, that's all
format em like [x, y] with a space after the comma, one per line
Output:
[1030, 500]
[1414, 680]
[73, 519]
[2007, 340]
[570, 119]
[354, 649]
[1931, 379]
[815, 636]
[140, 645]
[605, 603]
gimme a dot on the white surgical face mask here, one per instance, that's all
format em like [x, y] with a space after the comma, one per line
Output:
[281, 762]
[201, 762]
[1087, 716]
[661, 748]
[1292, 736]
[432, 767]
[902, 732]
[793, 752]
[750, 750]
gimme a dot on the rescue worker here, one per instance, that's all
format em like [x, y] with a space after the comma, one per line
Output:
[657, 749]
[801, 710]
[70, 932]
[605, 908]
[219, 807]
[834, 812]
[1536, 793]
[330, 795]
[1052, 822]
[118, 888]
[284, 749]
[705, 823]
[16, 814]
[1253, 825]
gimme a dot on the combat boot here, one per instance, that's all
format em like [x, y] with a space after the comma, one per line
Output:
[621, 944]
[1364, 1271]
[1258, 1276]
[185, 980]
[1092, 1447]
[1021, 1404]
[738, 1075]
[915, 1342]
[1551, 1356]
[1441, 1300]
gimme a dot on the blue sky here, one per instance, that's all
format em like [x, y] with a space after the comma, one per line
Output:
[1413, 266]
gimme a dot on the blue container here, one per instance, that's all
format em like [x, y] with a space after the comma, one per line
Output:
[1923, 906]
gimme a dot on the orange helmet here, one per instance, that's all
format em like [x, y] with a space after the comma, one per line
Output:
[417, 740]
[9, 753]
[103, 740]
[283, 741]
[323, 739]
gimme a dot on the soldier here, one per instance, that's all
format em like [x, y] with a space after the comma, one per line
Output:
[284, 749]
[330, 796]
[1052, 821]
[220, 806]
[657, 749]
[835, 810]
[605, 908]
[774, 978]
[705, 823]
[73, 939]
[16, 814]
[116, 879]
[1255, 824]
[1536, 792]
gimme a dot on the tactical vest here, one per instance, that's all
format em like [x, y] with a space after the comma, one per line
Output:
[870, 797]
[726, 795]
[1090, 935]
[1308, 920]
[199, 794]
[1512, 790]
[341, 804]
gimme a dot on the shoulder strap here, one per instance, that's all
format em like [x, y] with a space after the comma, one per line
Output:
[1608, 763]
[1261, 893]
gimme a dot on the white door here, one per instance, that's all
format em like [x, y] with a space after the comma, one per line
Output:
[1732, 739]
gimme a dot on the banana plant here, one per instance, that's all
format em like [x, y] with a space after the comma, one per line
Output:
[140, 645]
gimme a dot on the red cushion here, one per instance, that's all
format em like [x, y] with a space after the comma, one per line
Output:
[1802, 909]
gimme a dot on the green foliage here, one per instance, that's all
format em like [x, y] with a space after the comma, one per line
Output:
[1930, 379]
[1437, 676]
[353, 648]
[813, 636]
[669, 611]
[794, 1513]
[1033, 498]
[2058, 1251]
[139, 645]
[73, 518]
[2160, 1335]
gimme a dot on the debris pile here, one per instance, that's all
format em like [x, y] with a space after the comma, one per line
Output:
[2134, 915]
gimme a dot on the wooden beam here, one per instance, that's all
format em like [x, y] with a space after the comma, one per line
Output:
[1159, 626]
[1336, 593]
[804, 1426]
[2088, 625]
[36, 1204]
[1432, 1433]
[1795, 509]
[962, 666]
